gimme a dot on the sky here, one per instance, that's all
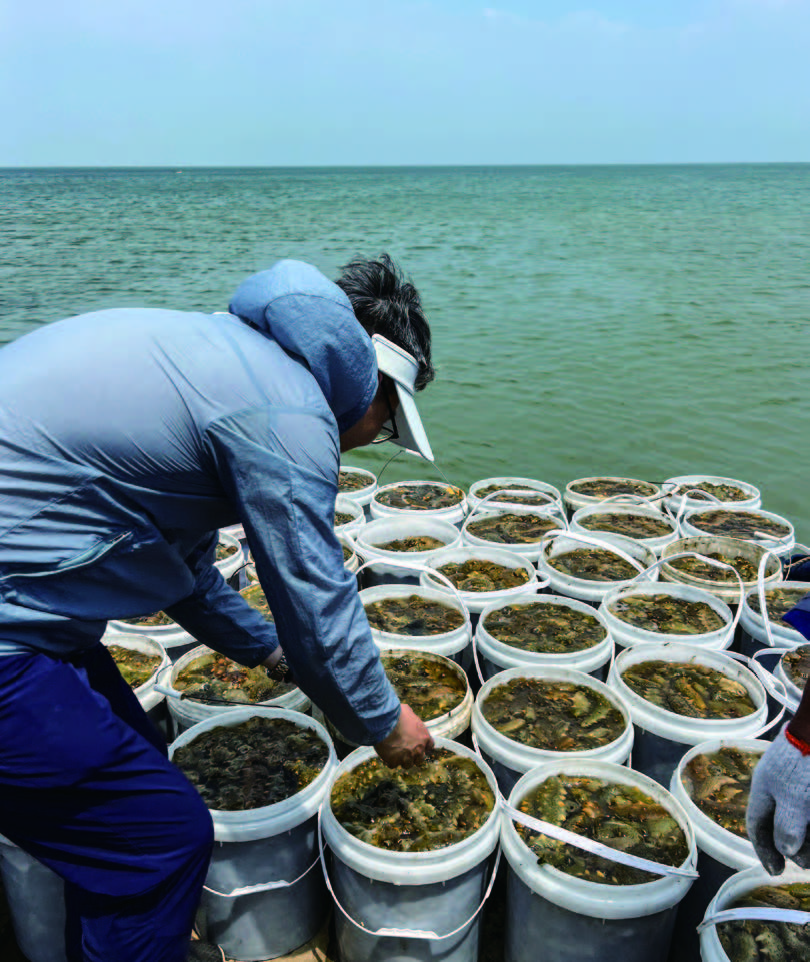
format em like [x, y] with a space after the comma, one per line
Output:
[403, 82]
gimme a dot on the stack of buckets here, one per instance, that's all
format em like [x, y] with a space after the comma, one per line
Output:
[266, 893]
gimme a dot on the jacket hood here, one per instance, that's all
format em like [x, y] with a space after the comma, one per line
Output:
[309, 316]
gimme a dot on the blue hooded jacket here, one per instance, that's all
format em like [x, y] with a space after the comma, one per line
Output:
[129, 436]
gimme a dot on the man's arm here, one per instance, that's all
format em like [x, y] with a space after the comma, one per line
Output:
[280, 468]
[218, 616]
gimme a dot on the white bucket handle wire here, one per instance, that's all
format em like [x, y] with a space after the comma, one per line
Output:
[587, 844]
[260, 886]
[752, 913]
[424, 934]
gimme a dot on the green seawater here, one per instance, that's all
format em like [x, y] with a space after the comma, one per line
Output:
[637, 321]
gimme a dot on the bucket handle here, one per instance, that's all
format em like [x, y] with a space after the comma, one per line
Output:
[402, 933]
[760, 912]
[587, 844]
[261, 886]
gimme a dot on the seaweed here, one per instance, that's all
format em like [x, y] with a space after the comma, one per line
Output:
[417, 542]
[612, 487]
[778, 601]
[136, 667]
[156, 620]
[666, 614]
[557, 716]
[719, 784]
[476, 574]
[726, 493]
[512, 528]
[630, 525]
[255, 597]
[226, 551]
[352, 481]
[703, 571]
[544, 627]
[796, 665]
[533, 496]
[620, 816]
[755, 940]
[258, 762]
[416, 810]
[593, 564]
[342, 517]
[737, 524]
[429, 686]
[420, 497]
[693, 690]
[214, 678]
[413, 615]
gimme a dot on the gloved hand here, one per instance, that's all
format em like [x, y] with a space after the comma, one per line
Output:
[778, 816]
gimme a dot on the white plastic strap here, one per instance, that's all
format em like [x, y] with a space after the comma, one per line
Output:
[760, 912]
[600, 543]
[261, 886]
[404, 933]
[595, 848]
[704, 496]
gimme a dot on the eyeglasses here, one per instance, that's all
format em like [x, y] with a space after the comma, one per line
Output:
[386, 433]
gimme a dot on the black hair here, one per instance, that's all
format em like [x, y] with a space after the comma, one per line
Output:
[384, 302]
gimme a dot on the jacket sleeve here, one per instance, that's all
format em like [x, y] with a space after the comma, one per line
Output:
[218, 616]
[280, 467]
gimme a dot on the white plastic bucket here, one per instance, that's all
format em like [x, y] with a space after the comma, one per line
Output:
[711, 950]
[476, 601]
[233, 564]
[691, 528]
[344, 505]
[678, 497]
[152, 701]
[186, 712]
[591, 514]
[582, 589]
[728, 591]
[627, 636]
[793, 694]
[455, 513]
[432, 894]
[509, 759]
[36, 904]
[174, 639]
[495, 656]
[384, 530]
[452, 644]
[264, 895]
[753, 632]
[720, 853]
[574, 500]
[508, 484]
[555, 916]
[662, 736]
[361, 496]
[530, 551]
[451, 724]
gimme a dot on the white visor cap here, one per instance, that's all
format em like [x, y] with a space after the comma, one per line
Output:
[402, 368]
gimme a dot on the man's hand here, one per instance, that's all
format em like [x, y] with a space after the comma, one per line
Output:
[778, 814]
[407, 743]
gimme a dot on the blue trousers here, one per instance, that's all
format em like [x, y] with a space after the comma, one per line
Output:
[86, 788]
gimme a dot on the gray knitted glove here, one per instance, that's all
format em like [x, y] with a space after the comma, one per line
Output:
[779, 806]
